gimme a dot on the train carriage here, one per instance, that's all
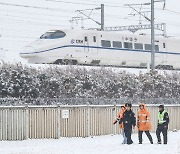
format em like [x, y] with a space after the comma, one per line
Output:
[90, 47]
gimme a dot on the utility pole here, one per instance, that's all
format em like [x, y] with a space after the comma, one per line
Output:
[152, 37]
[152, 33]
[102, 17]
[152, 28]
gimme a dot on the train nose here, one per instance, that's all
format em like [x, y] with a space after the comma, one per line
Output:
[27, 52]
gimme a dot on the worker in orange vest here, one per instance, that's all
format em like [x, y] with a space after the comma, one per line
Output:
[143, 123]
[121, 126]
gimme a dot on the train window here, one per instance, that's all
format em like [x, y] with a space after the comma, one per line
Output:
[58, 34]
[94, 38]
[85, 39]
[53, 35]
[138, 45]
[156, 47]
[117, 44]
[105, 43]
[147, 46]
[127, 45]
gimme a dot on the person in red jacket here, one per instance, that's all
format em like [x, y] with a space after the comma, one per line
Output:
[143, 123]
[121, 126]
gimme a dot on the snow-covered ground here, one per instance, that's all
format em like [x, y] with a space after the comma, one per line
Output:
[92, 145]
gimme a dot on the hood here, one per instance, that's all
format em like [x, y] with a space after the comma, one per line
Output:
[123, 105]
[145, 107]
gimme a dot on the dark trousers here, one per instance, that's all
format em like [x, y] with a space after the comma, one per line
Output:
[128, 132]
[148, 135]
[164, 132]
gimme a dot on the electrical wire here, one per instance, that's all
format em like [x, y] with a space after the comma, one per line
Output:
[68, 2]
[36, 7]
[32, 13]
[9, 15]
[56, 9]
[36, 23]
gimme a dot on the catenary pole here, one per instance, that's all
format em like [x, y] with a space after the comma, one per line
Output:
[102, 17]
[152, 37]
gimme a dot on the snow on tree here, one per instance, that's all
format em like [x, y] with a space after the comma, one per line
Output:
[73, 84]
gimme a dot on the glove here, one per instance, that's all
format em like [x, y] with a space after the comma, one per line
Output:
[115, 121]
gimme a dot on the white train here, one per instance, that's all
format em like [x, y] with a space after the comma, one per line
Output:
[90, 47]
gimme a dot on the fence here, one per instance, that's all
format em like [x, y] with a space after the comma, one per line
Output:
[35, 122]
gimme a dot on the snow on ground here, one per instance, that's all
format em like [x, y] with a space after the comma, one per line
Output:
[97, 145]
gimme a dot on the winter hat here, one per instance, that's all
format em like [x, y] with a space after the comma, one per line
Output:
[161, 106]
[128, 105]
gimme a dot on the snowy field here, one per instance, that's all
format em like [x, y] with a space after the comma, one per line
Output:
[96, 145]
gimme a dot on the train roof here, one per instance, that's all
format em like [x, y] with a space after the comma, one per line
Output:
[123, 33]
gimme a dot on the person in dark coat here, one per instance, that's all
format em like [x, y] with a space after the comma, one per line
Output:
[162, 127]
[129, 121]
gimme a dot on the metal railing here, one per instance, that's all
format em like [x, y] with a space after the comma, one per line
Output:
[38, 122]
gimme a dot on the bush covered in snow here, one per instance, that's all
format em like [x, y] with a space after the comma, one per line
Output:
[78, 84]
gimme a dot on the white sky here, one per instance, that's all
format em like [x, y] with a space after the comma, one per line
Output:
[21, 25]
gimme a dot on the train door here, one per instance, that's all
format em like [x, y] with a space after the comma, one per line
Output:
[86, 43]
[94, 44]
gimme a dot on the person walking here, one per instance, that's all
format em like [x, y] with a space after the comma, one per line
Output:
[163, 121]
[143, 123]
[121, 126]
[129, 121]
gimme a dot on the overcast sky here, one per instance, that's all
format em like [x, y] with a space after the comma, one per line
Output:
[22, 21]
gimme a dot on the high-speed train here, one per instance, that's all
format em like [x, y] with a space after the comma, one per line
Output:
[91, 47]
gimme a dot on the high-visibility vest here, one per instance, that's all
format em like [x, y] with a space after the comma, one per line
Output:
[161, 117]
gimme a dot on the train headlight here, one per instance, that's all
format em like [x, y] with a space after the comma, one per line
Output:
[27, 52]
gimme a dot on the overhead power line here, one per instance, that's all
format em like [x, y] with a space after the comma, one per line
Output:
[33, 13]
[67, 2]
[39, 19]
[34, 7]
[172, 11]
[37, 23]
[91, 4]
